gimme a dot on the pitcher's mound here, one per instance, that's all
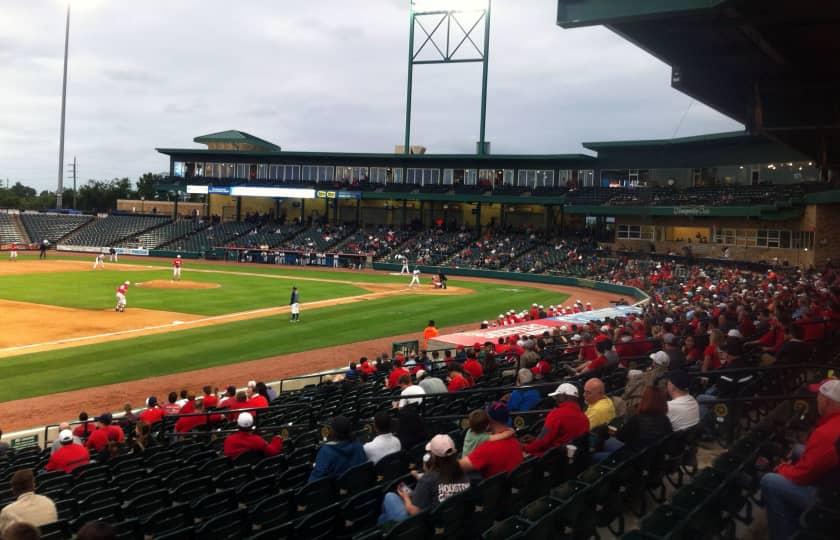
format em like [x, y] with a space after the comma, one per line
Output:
[164, 284]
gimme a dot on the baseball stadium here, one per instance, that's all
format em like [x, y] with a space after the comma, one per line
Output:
[638, 340]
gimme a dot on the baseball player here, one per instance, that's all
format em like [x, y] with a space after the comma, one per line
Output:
[13, 252]
[176, 268]
[112, 255]
[122, 290]
[99, 262]
[404, 269]
[294, 304]
[415, 279]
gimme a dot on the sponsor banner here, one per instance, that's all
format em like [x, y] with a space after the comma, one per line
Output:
[598, 315]
[198, 190]
[691, 211]
[336, 194]
[132, 251]
[218, 190]
[83, 249]
[493, 334]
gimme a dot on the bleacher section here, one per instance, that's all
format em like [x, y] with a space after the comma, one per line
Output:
[209, 237]
[318, 238]
[269, 235]
[52, 227]
[110, 230]
[377, 241]
[496, 251]
[165, 233]
[430, 247]
[9, 230]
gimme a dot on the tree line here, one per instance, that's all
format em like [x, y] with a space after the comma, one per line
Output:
[93, 196]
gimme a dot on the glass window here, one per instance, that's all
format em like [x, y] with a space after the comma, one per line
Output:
[262, 172]
[179, 169]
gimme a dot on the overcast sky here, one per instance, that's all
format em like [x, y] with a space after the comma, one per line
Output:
[319, 75]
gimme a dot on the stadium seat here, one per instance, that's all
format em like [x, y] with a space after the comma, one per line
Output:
[231, 525]
[272, 511]
[450, 518]
[356, 479]
[57, 530]
[109, 514]
[359, 512]
[215, 466]
[147, 503]
[90, 472]
[414, 528]
[233, 478]
[82, 489]
[127, 465]
[390, 467]
[523, 481]
[140, 486]
[294, 477]
[284, 531]
[128, 530]
[489, 497]
[314, 496]
[68, 509]
[213, 504]
[665, 522]
[317, 525]
[167, 520]
[102, 497]
[513, 528]
[253, 491]
[550, 468]
[192, 489]
[180, 475]
[270, 466]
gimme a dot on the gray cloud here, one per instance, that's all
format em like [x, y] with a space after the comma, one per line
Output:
[327, 75]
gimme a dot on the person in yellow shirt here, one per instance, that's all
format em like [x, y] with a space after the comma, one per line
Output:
[430, 332]
[599, 408]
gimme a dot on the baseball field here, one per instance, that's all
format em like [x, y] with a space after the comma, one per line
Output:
[61, 333]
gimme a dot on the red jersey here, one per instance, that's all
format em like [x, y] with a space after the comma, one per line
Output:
[257, 402]
[151, 416]
[474, 368]
[68, 457]
[210, 401]
[100, 438]
[122, 289]
[176, 263]
[563, 424]
[248, 441]
[187, 423]
[458, 382]
[394, 376]
[494, 457]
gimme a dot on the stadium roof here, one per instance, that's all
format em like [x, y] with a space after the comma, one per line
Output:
[770, 64]
[236, 137]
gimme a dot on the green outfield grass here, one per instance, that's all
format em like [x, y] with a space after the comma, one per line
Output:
[138, 358]
[95, 290]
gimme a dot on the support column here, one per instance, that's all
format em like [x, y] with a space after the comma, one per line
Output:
[303, 211]
[238, 208]
[503, 216]
[423, 213]
[478, 219]
[358, 212]
[405, 213]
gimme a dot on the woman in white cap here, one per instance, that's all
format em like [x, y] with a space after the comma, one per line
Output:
[441, 479]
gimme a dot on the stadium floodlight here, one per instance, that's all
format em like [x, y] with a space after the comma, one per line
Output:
[451, 33]
[422, 6]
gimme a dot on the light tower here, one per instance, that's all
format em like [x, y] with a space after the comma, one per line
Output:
[451, 29]
[60, 191]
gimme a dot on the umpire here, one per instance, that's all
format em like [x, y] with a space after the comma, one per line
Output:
[442, 279]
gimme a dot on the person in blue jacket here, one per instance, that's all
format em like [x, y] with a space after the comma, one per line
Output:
[524, 399]
[341, 452]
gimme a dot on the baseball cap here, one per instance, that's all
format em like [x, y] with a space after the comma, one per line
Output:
[565, 389]
[830, 388]
[441, 446]
[65, 436]
[245, 420]
[105, 418]
[498, 412]
[669, 320]
[735, 333]
[679, 378]
[151, 401]
[660, 358]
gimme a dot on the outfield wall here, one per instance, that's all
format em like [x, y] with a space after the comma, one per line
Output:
[637, 294]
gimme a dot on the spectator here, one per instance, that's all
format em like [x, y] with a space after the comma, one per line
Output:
[209, 399]
[365, 367]
[429, 333]
[105, 432]
[442, 478]
[473, 367]
[711, 355]
[395, 374]
[792, 487]
[431, 385]
[523, 399]
[188, 423]
[259, 397]
[637, 381]
[411, 430]
[86, 427]
[28, 507]
[19, 530]
[599, 408]
[97, 530]
[683, 410]
[671, 346]
[69, 456]
[4, 446]
[128, 418]
[56, 444]
[649, 425]
[340, 453]
[500, 453]
[228, 398]
[457, 381]
[171, 408]
[184, 397]
[153, 413]
[565, 423]
[246, 440]
[408, 391]
[385, 443]
[142, 438]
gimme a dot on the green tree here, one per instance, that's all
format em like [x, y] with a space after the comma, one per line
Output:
[147, 185]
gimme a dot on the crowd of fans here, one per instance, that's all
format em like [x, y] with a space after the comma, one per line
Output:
[699, 320]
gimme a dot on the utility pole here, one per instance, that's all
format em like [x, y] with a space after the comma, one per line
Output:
[59, 192]
[73, 172]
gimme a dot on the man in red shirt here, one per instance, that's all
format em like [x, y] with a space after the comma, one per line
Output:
[494, 457]
[209, 400]
[122, 291]
[188, 423]
[176, 268]
[153, 413]
[793, 486]
[457, 381]
[104, 433]
[563, 424]
[245, 440]
[473, 367]
[396, 373]
[69, 456]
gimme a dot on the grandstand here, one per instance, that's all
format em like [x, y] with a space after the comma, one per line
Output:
[112, 229]
[52, 227]
[10, 230]
[212, 236]
[164, 234]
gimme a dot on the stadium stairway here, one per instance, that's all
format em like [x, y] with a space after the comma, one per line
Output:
[11, 230]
